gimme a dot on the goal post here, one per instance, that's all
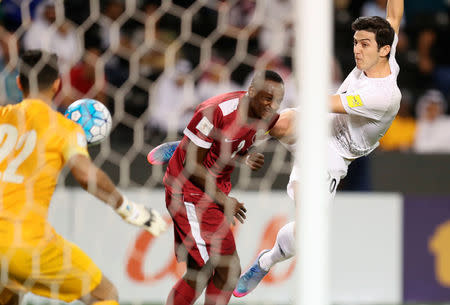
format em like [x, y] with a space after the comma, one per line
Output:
[312, 65]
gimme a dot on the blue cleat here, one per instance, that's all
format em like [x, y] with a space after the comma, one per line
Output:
[162, 153]
[250, 279]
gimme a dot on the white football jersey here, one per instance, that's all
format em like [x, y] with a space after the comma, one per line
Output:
[371, 105]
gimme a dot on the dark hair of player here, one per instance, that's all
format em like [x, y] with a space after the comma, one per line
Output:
[273, 76]
[384, 33]
[39, 67]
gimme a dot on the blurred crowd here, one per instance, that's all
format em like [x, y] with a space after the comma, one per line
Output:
[156, 60]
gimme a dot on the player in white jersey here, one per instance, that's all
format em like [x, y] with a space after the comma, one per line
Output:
[362, 111]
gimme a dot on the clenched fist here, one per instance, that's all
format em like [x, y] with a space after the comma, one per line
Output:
[254, 160]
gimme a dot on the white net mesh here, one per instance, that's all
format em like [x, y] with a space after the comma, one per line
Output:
[139, 53]
[151, 63]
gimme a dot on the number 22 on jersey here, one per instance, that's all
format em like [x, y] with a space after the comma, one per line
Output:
[9, 142]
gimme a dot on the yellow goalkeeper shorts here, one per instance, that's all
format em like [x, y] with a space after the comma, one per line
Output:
[59, 270]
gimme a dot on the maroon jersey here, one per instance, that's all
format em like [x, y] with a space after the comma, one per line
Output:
[217, 126]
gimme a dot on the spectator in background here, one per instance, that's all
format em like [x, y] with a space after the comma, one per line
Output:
[277, 31]
[11, 14]
[152, 61]
[374, 8]
[407, 59]
[441, 72]
[433, 48]
[400, 136]
[55, 35]
[417, 9]
[215, 80]
[116, 67]
[433, 126]
[150, 6]
[425, 41]
[241, 22]
[47, 34]
[439, 59]
[77, 11]
[377, 8]
[86, 81]
[112, 10]
[241, 15]
[9, 92]
[172, 103]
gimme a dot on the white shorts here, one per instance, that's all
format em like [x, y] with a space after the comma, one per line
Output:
[337, 169]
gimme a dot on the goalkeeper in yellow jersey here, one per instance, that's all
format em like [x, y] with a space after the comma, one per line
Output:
[36, 142]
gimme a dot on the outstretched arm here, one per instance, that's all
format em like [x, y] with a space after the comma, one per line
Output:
[96, 182]
[284, 129]
[394, 13]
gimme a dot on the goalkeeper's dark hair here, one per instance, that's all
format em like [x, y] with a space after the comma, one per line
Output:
[38, 70]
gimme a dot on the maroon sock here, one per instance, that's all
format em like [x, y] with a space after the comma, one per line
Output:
[181, 294]
[216, 296]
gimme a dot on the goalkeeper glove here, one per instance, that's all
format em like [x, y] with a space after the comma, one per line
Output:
[139, 215]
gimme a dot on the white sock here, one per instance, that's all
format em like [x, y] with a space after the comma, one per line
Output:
[283, 249]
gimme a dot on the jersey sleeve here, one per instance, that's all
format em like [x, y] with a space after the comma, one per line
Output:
[366, 102]
[392, 62]
[200, 129]
[74, 143]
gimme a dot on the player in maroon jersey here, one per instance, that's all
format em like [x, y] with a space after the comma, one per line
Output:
[197, 184]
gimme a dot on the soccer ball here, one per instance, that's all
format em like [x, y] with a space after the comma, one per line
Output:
[93, 116]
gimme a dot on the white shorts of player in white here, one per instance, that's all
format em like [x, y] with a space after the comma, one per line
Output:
[284, 247]
[337, 169]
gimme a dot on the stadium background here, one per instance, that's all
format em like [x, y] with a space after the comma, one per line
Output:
[151, 62]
